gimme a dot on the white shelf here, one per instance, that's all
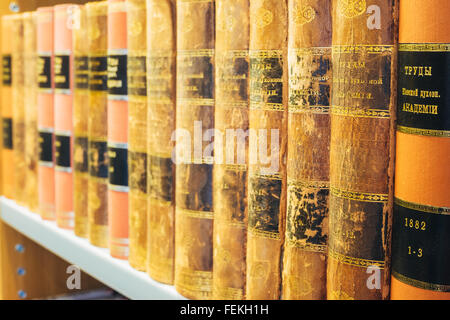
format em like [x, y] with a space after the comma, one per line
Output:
[97, 262]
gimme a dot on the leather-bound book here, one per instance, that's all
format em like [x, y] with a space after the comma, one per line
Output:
[137, 128]
[80, 124]
[161, 81]
[7, 163]
[46, 172]
[309, 61]
[118, 129]
[267, 147]
[361, 148]
[97, 28]
[64, 23]
[18, 102]
[421, 227]
[30, 92]
[230, 169]
[194, 155]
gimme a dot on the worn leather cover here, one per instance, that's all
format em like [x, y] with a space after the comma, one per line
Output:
[230, 168]
[267, 161]
[361, 151]
[118, 129]
[161, 93]
[98, 231]
[310, 77]
[80, 125]
[46, 170]
[420, 244]
[137, 127]
[195, 112]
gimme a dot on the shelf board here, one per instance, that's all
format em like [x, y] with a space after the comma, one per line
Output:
[97, 262]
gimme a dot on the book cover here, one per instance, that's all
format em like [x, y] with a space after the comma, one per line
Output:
[7, 109]
[97, 25]
[194, 154]
[421, 227]
[361, 148]
[161, 93]
[118, 129]
[18, 102]
[31, 128]
[267, 147]
[46, 173]
[310, 76]
[64, 23]
[137, 128]
[80, 124]
[230, 168]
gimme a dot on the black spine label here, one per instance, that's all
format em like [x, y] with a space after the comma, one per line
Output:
[423, 90]
[46, 148]
[98, 159]
[421, 246]
[7, 133]
[161, 177]
[62, 152]
[137, 84]
[195, 76]
[44, 72]
[80, 154]
[98, 73]
[81, 72]
[118, 166]
[62, 72]
[138, 171]
[117, 75]
[7, 72]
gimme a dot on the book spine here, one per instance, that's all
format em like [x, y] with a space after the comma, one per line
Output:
[118, 129]
[267, 147]
[80, 125]
[98, 229]
[46, 173]
[31, 133]
[230, 170]
[64, 16]
[161, 82]
[361, 148]
[18, 102]
[194, 157]
[7, 109]
[137, 127]
[309, 62]
[421, 226]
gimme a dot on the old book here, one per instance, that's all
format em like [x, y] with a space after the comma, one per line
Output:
[118, 129]
[7, 109]
[46, 173]
[194, 157]
[64, 23]
[361, 148]
[309, 63]
[18, 102]
[30, 92]
[421, 227]
[267, 147]
[161, 81]
[137, 127]
[97, 26]
[80, 124]
[230, 168]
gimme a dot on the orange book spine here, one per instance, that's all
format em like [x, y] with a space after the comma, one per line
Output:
[46, 173]
[421, 227]
[7, 109]
[118, 129]
[63, 107]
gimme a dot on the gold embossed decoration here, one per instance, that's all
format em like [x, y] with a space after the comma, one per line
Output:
[351, 8]
[303, 15]
[264, 17]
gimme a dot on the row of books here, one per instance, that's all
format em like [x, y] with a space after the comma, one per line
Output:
[240, 148]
